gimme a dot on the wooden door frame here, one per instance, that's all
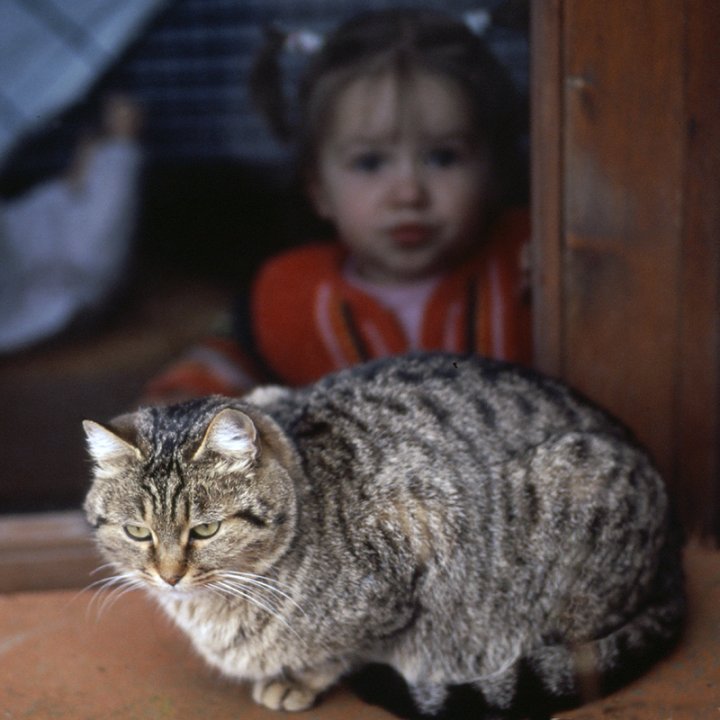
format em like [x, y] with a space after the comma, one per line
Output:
[573, 74]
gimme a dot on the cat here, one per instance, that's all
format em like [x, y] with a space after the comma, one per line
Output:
[469, 523]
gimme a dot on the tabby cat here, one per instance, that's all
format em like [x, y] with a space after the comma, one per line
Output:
[470, 524]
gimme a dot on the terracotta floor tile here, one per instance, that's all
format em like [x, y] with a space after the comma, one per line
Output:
[686, 684]
[66, 656]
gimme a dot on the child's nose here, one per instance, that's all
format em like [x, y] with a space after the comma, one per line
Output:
[409, 186]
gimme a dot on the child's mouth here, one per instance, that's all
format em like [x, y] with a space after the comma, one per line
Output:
[410, 235]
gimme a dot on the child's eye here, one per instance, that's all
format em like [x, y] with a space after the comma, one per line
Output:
[367, 161]
[443, 157]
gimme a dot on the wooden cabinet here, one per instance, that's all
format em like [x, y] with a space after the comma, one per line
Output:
[626, 197]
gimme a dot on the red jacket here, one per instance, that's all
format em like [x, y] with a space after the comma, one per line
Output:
[308, 320]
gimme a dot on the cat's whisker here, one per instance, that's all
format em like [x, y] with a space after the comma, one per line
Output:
[255, 576]
[275, 584]
[109, 602]
[260, 581]
[118, 593]
[241, 591]
[217, 593]
[106, 582]
[234, 590]
[91, 586]
[102, 567]
[258, 590]
[99, 585]
[120, 585]
[101, 594]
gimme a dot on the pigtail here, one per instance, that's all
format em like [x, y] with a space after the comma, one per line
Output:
[266, 84]
[402, 40]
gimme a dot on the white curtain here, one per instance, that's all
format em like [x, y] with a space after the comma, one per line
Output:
[51, 51]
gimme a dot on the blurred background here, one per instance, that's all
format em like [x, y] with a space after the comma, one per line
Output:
[209, 159]
[216, 192]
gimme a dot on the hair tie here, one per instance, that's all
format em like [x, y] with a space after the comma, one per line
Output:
[303, 42]
[309, 42]
[478, 21]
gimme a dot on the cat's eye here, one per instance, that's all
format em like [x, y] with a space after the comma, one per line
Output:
[137, 532]
[205, 530]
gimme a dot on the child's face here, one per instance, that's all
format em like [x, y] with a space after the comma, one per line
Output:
[405, 181]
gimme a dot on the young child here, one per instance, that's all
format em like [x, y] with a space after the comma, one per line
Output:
[408, 131]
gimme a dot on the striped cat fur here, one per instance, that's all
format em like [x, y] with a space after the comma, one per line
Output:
[480, 529]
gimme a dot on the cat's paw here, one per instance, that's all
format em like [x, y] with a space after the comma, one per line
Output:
[283, 695]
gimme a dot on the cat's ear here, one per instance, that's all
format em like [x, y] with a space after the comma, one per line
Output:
[231, 434]
[106, 446]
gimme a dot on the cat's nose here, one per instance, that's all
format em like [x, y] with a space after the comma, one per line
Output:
[172, 579]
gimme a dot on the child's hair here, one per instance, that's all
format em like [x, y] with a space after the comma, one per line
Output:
[402, 42]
